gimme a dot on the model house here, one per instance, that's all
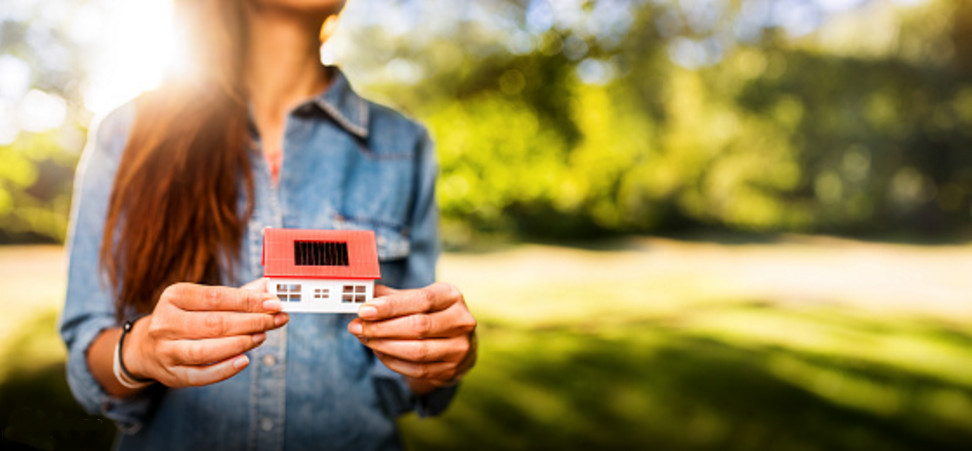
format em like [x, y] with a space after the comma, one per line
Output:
[320, 271]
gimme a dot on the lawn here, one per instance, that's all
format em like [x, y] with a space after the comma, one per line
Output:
[790, 343]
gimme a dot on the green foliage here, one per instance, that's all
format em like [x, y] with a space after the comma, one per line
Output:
[523, 164]
[37, 165]
[35, 186]
[592, 121]
[778, 134]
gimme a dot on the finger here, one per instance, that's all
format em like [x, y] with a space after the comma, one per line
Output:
[382, 290]
[195, 325]
[209, 350]
[443, 324]
[216, 298]
[432, 298]
[259, 285]
[209, 374]
[435, 370]
[422, 351]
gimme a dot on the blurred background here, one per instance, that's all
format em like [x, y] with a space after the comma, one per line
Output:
[682, 224]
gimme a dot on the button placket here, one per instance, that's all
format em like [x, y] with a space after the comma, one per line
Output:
[269, 360]
[268, 381]
[266, 424]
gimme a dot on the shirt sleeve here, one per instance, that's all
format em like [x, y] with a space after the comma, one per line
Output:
[88, 306]
[419, 272]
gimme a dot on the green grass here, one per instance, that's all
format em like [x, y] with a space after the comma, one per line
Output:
[742, 376]
[37, 410]
[604, 349]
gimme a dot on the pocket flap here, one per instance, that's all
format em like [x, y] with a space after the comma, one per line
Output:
[392, 242]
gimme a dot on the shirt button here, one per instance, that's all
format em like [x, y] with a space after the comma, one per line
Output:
[266, 424]
[269, 360]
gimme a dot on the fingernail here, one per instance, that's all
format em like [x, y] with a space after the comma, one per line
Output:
[280, 319]
[355, 328]
[272, 305]
[367, 312]
[241, 362]
[259, 338]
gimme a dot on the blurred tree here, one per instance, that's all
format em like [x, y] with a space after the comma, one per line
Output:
[584, 117]
[41, 117]
[642, 116]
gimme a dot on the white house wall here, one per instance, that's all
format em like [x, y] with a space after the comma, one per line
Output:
[333, 304]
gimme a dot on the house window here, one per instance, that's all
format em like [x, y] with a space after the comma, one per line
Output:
[288, 292]
[322, 293]
[320, 253]
[353, 293]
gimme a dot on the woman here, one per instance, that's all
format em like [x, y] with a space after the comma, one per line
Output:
[171, 197]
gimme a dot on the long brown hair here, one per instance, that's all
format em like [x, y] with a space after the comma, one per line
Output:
[174, 214]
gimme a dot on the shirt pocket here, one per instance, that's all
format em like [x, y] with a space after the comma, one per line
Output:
[378, 190]
[391, 240]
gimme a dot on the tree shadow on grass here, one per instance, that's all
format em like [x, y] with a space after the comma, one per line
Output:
[641, 385]
[662, 389]
[37, 410]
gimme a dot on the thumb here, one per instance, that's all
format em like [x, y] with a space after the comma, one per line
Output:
[257, 285]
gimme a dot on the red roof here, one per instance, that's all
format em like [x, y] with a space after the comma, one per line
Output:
[358, 260]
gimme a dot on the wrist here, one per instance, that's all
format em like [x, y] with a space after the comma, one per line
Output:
[422, 387]
[419, 387]
[132, 351]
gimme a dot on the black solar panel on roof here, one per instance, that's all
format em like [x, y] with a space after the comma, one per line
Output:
[320, 253]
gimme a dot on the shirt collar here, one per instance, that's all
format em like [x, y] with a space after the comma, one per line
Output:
[343, 105]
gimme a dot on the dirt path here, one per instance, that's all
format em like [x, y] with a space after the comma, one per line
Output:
[32, 281]
[892, 278]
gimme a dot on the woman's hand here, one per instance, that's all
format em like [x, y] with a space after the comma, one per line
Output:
[426, 334]
[197, 334]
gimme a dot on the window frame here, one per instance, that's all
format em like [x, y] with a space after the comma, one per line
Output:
[289, 292]
[354, 294]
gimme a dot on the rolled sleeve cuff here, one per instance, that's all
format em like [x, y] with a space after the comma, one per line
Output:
[399, 399]
[128, 413]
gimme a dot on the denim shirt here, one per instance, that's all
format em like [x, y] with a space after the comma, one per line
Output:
[348, 164]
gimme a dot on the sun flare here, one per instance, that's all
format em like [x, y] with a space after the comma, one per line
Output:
[136, 44]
